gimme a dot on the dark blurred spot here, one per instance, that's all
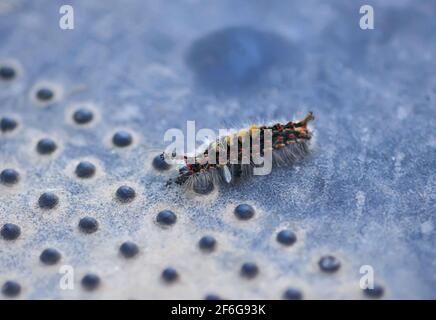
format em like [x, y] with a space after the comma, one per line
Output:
[11, 288]
[122, 139]
[237, 58]
[244, 211]
[88, 225]
[207, 243]
[44, 94]
[7, 72]
[9, 176]
[83, 116]
[166, 217]
[129, 249]
[286, 237]
[376, 292]
[90, 281]
[159, 163]
[249, 270]
[10, 231]
[212, 296]
[203, 188]
[292, 294]
[48, 200]
[170, 275]
[46, 146]
[50, 256]
[7, 124]
[85, 169]
[329, 264]
[125, 194]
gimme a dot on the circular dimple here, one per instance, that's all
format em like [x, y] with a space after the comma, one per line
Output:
[50, 256]
[244, 212]
[249, 270]
[207, 243]
[83, 116]
[212, 296]
[46, 146]
[203, 188]
[44, 94]
[10, 231]
[90, 281]
[88, 225]
[7, 124]
[9, 176]
[122, 139]
[376, 292]
[7, 72]
[85, 169]
[159, 163]
[11, 288]
[329, 264]
[235, 58]
[286, 237]
[125, 194]
[170, 275]
[292, 294]
[129, 249]
[166, 217]
[48, 200]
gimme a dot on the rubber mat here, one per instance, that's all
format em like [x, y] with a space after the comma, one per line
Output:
[85, 210]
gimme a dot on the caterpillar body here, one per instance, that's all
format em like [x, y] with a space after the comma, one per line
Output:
[287, 143]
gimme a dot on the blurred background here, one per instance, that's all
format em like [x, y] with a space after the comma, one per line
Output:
[134, 69]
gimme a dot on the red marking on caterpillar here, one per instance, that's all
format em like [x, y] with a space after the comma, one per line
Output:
[236, 156]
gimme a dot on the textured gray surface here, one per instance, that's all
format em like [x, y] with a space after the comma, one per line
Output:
[366, 195]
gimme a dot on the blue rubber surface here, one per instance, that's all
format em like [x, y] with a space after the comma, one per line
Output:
[366, 195]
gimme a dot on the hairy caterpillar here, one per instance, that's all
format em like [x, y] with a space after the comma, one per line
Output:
[287, 143]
